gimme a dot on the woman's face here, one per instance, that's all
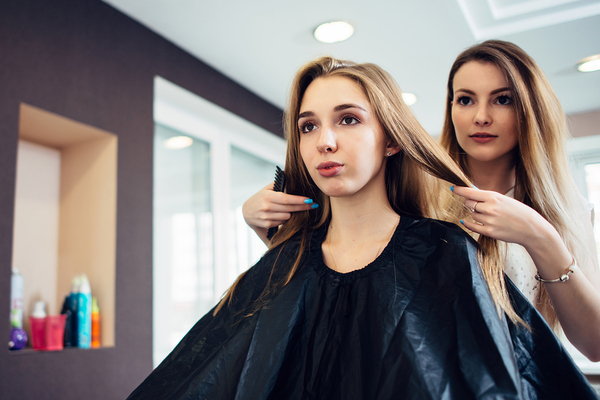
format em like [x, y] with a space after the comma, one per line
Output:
[482, 113]
[341, 141]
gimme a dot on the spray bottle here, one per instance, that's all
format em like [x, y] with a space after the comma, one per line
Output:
[84, 313]
[95, 323]
[71, 338]
[68, 309]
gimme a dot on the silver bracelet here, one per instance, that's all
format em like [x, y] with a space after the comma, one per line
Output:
[563, 278]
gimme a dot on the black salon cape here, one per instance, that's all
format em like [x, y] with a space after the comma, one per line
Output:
[417, 323]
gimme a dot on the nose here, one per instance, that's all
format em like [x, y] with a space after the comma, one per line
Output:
[483, 117]
[327, 140]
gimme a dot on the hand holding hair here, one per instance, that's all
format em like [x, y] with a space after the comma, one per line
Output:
[267, 209]
[501, 217]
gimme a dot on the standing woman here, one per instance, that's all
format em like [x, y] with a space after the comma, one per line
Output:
[506, 129]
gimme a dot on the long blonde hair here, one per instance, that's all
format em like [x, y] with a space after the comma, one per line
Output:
[543, 181]
[409, 176]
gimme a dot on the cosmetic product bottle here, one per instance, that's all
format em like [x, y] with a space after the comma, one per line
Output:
[68, 310]
[16, 296]
[84, 313]
[37, 322]
[18, 336]
[39, 310]
[72, 304]
[95, 323]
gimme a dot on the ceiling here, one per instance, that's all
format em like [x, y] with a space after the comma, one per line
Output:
[261, 44]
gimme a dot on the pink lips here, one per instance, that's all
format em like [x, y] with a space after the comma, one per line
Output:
[482, 137]
[329, 168]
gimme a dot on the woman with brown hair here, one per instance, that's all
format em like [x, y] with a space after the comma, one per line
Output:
[364, 298]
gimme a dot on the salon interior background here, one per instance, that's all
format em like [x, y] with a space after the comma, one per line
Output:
[264, 45]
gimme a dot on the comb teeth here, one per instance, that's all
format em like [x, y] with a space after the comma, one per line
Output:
[278, 186]
[279, 180]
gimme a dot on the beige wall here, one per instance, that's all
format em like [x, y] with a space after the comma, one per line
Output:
[35, 243]
[584, 124]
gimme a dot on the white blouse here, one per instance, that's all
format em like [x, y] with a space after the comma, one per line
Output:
[521, 270]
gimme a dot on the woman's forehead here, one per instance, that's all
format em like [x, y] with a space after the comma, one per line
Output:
[476, 75]
[325, 93]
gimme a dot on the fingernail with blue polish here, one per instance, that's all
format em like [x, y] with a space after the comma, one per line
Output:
[314, 206]
[452, 188]
[461, 221]
[308, 201]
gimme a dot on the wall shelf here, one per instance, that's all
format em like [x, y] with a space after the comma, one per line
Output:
[65, 212]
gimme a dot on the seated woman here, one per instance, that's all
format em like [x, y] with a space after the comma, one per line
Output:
[364, 298]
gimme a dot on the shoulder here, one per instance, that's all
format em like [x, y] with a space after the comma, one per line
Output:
[440, 253]
[434, 230]
[277, 261]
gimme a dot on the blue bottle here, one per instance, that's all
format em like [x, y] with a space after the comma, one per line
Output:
[84, 313]
[71, 338]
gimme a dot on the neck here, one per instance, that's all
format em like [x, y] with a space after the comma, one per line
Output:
[366, 218]
[361, 225]
[497, 175]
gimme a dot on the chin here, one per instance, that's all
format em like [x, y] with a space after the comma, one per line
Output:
[335, 191]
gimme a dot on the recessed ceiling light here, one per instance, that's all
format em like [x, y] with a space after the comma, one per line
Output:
[332, 32]
[409, 98]
[178, 142]
[589, 64]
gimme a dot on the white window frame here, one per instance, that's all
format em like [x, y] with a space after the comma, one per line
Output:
[582, 151]
[183, 111]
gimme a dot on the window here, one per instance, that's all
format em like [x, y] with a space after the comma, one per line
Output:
[201, 242]
[584, 155]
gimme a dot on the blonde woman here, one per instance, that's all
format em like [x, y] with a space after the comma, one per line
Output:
[506, 129]
[363, 298]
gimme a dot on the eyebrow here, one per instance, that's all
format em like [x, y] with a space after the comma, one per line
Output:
[499, 90]
[336, 108]
[346, 106]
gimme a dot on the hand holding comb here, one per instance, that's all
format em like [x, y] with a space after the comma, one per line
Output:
[278, 186]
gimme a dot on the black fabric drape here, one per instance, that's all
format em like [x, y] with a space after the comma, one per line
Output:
[417, 323]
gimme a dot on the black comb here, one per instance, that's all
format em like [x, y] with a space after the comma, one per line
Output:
[278, 186]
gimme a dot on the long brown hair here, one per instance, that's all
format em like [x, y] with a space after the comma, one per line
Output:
[543, 181]
[411, 175]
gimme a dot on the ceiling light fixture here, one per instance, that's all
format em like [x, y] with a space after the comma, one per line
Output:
[409, 98]
[332, 32]
[178, 142]
[589, 64]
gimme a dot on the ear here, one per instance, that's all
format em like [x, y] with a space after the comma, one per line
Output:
[392, 148]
